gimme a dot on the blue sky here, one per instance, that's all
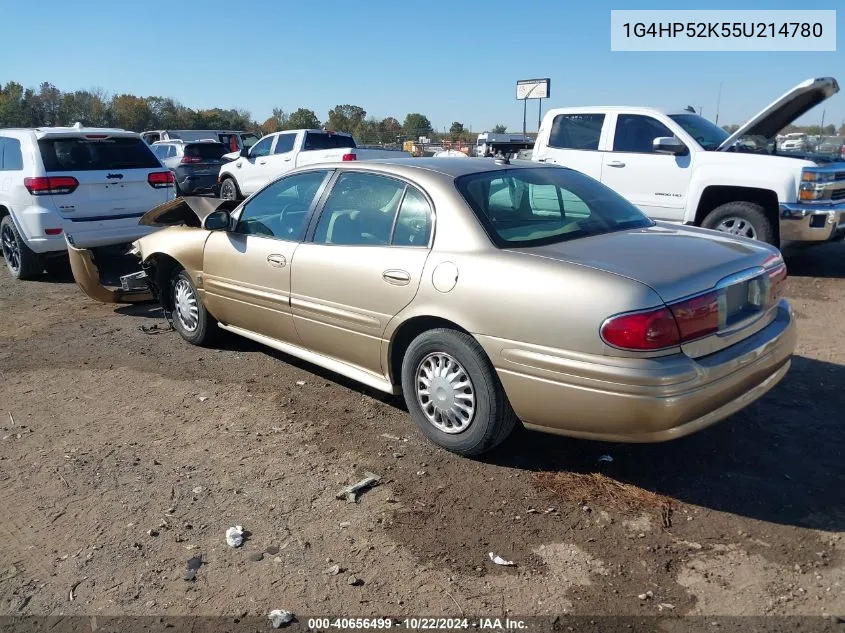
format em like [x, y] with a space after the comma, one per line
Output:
[453, 61]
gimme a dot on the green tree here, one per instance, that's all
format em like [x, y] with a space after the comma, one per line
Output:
[346, 118]
[730, 129]
[368, 132]
[842, 129]
[130, 112]
[500, 128]
[12, 105]
[86, 107]
[456, 130]
[389, 130]
[302, 119]
[416, 125]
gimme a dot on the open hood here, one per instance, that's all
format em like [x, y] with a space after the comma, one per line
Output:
[783, 111]
[186, 211]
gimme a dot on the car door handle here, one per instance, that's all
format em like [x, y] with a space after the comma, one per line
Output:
[276, 260]
[396, 277]
[615, 163]
[262, 162]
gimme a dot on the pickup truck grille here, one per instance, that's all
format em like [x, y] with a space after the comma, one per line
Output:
[837, 194]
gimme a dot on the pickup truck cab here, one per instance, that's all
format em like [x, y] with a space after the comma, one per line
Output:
[280, 152]
[679, 167]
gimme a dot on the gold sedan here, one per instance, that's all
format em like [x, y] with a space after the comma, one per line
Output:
[485, 291]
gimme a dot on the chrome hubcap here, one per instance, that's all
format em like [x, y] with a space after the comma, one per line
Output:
[445, 393]
[227, 190]
[737, 226]
[186, 305]
[11, 252]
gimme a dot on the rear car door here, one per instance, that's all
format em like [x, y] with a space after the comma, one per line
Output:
[112, 174]
[361, 266]
[656, 183]
[246, 271]
[574, 141]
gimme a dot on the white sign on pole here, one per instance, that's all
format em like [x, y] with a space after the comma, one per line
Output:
[533, 88]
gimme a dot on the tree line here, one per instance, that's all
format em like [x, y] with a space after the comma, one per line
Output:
[46, 105]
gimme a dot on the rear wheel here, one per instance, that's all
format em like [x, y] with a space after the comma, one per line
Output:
[190, 318]
[229, 189]
[454, 394]
[20, 260]
[746, 219]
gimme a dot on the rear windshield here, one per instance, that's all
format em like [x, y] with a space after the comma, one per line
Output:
[315, 140]
[206, 151]
[537, 206]
[249, 139]
[83, 154]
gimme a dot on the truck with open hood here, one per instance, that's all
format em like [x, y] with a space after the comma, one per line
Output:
[677, 166]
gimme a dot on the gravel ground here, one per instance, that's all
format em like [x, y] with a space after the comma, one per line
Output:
[124, 454]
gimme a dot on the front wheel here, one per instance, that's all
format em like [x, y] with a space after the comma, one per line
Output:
[229, 189]
[746, 219]
[454, 394]
[190, 318]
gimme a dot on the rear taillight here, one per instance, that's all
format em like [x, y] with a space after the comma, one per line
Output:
[642, 331]
[349, 156]
[694, 318]
[160, 179]
[50, 185]
[188, 160]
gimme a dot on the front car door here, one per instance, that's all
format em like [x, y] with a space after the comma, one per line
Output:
[656, 183]
[247, 270]
[251, 172]
[361, 266]
[574, 141]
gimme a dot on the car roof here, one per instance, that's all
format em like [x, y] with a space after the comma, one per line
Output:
[616, 108]
[452, 167]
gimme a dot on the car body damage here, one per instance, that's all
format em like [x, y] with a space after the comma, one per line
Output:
[182, 242]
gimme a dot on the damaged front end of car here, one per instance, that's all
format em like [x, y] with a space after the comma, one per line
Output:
[94, 268]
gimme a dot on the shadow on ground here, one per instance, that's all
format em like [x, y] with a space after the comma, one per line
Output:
[780, 460]
[826, 261]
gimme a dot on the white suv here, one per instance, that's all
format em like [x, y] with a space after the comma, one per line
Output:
[89, 184]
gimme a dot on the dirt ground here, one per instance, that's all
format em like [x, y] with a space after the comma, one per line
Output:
[124, 454]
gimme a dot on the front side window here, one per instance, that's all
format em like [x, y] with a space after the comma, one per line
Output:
[11, 158]
[280, 210]
[261, 148]
[284, 144]
[536, 206]
[635, 133]
[360, 210]
[576, 131]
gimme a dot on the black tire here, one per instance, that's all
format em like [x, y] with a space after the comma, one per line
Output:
[745, 216]
[227, 185]
[176, 187]
[197, 327]
[20, 260]
[492, 419]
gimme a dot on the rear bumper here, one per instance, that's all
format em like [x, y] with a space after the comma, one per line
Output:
[190, 184]
[87, 277]
[640, 400]
[812, 222]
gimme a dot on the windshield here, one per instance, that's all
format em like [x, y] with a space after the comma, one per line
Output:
[206, 151]
[536, 206]
[709, 135]
[321, 140]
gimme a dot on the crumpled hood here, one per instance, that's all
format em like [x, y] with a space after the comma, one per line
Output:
[186, 211]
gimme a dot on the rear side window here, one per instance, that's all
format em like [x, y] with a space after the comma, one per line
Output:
[11, 158]
[206, 151]
[316, 140]
[284, 143]
[84, 154]
[576, 131]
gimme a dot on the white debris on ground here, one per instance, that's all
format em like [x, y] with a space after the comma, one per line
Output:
[235, 536]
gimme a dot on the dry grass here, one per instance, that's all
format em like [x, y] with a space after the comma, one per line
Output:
[601, 490]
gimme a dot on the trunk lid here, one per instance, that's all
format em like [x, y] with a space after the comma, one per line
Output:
[112, 173]
[681, 263]
[784, 110]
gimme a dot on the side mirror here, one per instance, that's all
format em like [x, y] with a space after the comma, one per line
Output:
[668, 145]
[217, 221]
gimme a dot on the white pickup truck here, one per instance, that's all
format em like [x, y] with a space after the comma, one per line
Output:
[278, 153]
[680, 167]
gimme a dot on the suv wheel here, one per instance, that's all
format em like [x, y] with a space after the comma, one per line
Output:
[190, 318]
[20, 260]
[746, 219]
[454, 394]
[229, 189]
